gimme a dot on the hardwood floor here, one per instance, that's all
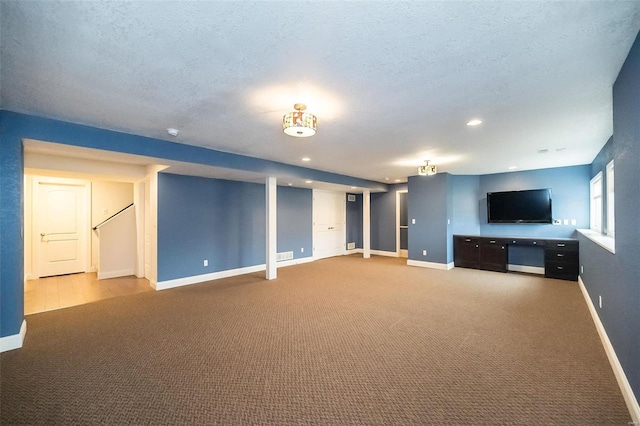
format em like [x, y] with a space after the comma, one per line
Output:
[46, 294]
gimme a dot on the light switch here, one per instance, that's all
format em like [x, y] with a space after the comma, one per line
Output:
[574, 222]
[566, 221]
[413, 221]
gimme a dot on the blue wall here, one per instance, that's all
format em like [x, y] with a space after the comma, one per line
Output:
[11, 242]
[383, 219]
[218, 220]
[295, 225]
[616, 276]
[430, 200]
[465, 217]
[569, 193]
[354, 220]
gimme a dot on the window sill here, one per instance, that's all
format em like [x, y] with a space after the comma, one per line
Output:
[604, 241]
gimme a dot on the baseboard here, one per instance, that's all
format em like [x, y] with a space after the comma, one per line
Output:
[195, 279]
[9, 343]
[292, 262]
[354, 251]
[384, 253]
[432, 265]
[621, 377]
[115, 274]
[526, 269]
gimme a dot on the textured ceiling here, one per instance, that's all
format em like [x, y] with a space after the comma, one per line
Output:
[392, 83]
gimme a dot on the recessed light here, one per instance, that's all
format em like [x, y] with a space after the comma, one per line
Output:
[354, 187]
[306, 159]
[398, 180]
[474, 122]
[513, 167]
[308, 181]
[172, 131]
[386, 178]
[289, 184]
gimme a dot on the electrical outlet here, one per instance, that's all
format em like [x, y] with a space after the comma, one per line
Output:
[105, 211]
[448, 221]
[582, 269]
[424, 252]
[566, 221]
[301, 249]
[413, 221]
[206, 262]
[600, 301]
[574, 222]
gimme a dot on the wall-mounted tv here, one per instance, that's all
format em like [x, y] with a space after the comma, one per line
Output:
[530, 206]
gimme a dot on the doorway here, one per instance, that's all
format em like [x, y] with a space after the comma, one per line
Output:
[402, 223]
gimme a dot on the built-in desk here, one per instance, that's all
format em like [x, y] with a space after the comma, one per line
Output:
[492, 254]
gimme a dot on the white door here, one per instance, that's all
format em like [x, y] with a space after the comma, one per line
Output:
[60, 209]
[329, 217]
[147, 228]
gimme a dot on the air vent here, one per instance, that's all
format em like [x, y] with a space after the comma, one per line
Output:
[351, 246]
[351, 198]
[286, 255]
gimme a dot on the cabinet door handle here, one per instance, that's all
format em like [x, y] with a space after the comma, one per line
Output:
[476, 245]
[561, 244]
[492, 241]
[560, 255]
[535, 242]
[560, 267]
[468, 240]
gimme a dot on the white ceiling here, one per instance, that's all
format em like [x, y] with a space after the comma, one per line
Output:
[392, 83]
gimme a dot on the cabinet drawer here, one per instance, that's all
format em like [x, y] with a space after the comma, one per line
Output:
[562, 245]
[562, 256]
[526, 242]
[561, 271]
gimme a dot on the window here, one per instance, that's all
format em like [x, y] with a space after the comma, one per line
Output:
[596, 203]
[609, 198]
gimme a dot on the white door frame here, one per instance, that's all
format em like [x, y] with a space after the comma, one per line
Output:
[399, 251]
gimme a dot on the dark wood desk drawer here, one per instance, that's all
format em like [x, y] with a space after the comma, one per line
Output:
[561, 271]
[562, 245]
[564, 256]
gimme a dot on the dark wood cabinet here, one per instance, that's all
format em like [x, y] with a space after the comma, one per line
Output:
[493, 255]
[489, 253]
[561, 260]
[466, 252]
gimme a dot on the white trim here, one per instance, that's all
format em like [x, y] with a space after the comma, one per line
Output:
[432, 265]
[115, 274]
[625, 387]
[366, 224]
[606, 242]
[384, 253]
[293, 262]
[179, 282]
[526, 269]
[354, 251]
[9, 343]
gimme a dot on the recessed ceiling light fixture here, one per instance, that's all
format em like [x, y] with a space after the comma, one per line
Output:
[308, 181]
[172, 131]
[306, 159]
[427, 170]
[299, 123]
[398, 180]
[474, 122]
[513, 167]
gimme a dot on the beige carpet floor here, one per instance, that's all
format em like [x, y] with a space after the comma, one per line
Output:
[341, 341]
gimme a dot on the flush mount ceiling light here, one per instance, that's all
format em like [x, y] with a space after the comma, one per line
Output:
[299, 123]
[474, 122]
[172, 131]
[427, 170]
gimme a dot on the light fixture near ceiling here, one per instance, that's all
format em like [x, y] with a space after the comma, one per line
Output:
[427, 170]
[299, 124]
[474, 122]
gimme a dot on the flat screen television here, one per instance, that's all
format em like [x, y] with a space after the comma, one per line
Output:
[530, 206]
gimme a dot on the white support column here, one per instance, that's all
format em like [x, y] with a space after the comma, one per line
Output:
[272, 227]
[366, 224]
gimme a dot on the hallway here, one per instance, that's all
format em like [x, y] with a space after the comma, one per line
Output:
[47, 294]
